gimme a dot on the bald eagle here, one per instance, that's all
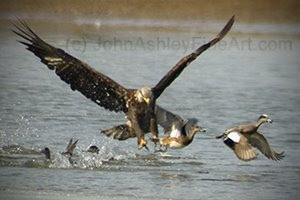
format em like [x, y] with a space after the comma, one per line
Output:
[137, 104]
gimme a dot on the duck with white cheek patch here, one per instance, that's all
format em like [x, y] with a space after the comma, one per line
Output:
[241, 139]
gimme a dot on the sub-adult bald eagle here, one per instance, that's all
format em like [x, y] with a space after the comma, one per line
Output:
[137, 104]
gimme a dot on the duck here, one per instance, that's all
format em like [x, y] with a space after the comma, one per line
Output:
[70, 148]
[181, 135]
[68, 152]
[47, 153]
[93, 149]
[242, 139]
[180, 132]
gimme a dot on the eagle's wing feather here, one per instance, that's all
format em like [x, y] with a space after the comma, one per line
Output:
[120, 132]
[185, 61]
[80, 76]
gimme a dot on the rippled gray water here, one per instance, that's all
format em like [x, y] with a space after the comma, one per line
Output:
[222, 88]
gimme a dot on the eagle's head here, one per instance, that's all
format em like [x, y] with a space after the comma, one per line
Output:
[144, 94]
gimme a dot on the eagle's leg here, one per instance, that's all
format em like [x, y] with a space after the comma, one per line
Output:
[139, 133]
[154, 130]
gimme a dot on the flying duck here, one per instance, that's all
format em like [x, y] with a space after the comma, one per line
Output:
[241, 139]
[137, 104]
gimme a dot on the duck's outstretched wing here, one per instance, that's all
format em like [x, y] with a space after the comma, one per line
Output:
[259, 141]
[79, 75]
[167, 119]
[70, 148]
[239, 144]
[185, 61]
[243, 149]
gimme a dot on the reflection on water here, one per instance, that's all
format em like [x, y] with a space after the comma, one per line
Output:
[222, 88]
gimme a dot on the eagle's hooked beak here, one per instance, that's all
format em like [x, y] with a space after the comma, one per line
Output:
[147, 100]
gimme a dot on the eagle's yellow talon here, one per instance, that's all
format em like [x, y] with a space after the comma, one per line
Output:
[143, 143]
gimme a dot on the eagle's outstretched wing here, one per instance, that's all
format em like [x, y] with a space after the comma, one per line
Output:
[79, 75]
[185, 61]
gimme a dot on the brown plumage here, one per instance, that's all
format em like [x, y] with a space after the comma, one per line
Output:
[180, 132]
[242, 138]
[137, 104]
[181, 135]
[120, 132]
[70, 148]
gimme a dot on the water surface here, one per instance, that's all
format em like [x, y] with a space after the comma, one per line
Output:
[232, 83]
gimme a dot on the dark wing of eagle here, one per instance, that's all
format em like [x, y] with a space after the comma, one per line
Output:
[185, 61]
[79, 75]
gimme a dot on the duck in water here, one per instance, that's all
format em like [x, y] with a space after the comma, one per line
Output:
[68, 152]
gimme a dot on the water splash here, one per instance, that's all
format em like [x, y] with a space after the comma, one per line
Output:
[17, 155]
[23, 131]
